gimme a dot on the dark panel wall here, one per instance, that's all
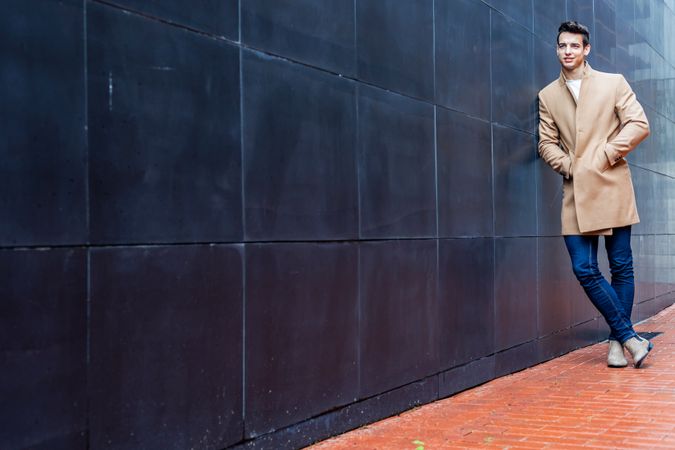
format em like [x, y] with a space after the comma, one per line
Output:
[258, 223]
[164, 134]
[43, 198]
[165, 346]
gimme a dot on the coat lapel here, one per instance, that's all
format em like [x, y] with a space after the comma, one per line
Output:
[562, 81]
[584, 82]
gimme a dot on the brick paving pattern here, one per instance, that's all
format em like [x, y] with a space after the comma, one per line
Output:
[574, 401]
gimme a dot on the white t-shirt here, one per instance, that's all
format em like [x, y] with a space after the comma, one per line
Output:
[575, 86]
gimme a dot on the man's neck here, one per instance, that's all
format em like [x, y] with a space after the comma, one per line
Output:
[576, 74]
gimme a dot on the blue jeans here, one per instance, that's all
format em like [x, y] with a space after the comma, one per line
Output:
[615, 301]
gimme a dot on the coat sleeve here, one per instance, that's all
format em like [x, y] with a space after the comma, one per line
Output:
[634, 125]
[549, 143]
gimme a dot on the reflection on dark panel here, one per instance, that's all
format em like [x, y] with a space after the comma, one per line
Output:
[515, 291]
[42, 119]
[219, 17]
[163, 132]
[396, 165]
[463, 56]
[649, 19]
[625, 38]
[399, 313]
[43, 337]
[513, 93]
[604, 39]
[166, 346]
[320, 33]
[299, 152]
[515, 182]
[646, 62]
[395, 45]
[301, 332]
[464, 159]
[466, 300]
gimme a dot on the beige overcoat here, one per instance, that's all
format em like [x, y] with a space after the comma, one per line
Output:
[586, 142]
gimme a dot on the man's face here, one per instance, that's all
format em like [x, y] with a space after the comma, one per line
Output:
[571, 50]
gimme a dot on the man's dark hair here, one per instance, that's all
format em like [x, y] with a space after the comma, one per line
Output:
[574, 28]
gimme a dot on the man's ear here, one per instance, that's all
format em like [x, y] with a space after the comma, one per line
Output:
[587, 49]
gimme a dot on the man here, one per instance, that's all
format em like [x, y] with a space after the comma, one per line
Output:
[588, 122]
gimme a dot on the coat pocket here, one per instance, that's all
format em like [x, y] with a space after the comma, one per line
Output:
[601, 163]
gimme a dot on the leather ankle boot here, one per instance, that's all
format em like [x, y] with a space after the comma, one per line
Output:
[615, 356]
[638, 349]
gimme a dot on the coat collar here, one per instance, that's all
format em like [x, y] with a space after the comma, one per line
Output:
[588, 72]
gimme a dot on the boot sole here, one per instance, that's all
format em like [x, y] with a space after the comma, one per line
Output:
[616, 366]
[638, 363]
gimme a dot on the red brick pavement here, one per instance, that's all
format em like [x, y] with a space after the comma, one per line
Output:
[574, 401]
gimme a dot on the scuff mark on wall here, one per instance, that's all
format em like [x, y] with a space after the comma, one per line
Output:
[110, 91]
